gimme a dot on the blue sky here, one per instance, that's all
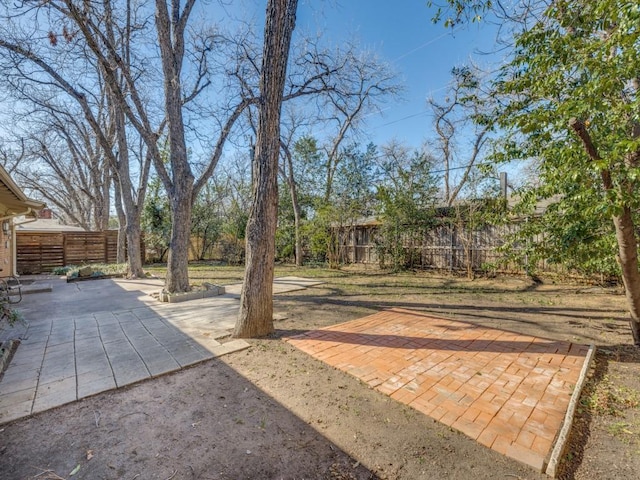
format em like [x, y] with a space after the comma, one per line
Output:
[402, 33]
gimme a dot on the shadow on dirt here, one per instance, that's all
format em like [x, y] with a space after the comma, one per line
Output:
[581, 429]
[199, 423]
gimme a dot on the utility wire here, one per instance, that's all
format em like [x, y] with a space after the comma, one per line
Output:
[426, 44]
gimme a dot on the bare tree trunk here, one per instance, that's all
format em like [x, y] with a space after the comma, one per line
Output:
[628, 257]
[121, 249]
[296, 223]
[256, 301]
[134, 252]
[625, 234]
[131, 209]
[177, 272]
[102, 204]
[297, 216]
[133, 234]
[170, 28]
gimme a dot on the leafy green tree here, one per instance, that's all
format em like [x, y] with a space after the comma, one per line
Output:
[566, 232]
[156, 220]
[206, 220]
[406, 200]
[299, 173]
[352, 199]
[573, 97]
[233, 232]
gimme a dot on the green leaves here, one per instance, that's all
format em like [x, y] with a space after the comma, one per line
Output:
[581, 60]
[454, 12]
[406, 204]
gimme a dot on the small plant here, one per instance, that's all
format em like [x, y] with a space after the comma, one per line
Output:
[608, 399]
[62, 270]
[6, 312]
[96, 269]
[618, 429]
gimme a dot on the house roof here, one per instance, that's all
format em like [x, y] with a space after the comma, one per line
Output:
[46, 225]
[540, 207]
[13, 201]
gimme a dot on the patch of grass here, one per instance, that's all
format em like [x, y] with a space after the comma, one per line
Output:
[610, 399]
[62, 270]
[618, 429]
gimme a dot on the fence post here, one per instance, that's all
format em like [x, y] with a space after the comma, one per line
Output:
[451, 244]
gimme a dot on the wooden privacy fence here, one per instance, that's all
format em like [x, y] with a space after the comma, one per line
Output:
[442, 247]
[42, 252]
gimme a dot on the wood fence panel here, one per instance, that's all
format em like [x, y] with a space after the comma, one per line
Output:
[39, 252]
[443, 247]
[85, 247]
[42, 252]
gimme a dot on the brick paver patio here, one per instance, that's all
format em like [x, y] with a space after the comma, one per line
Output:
[508, 391]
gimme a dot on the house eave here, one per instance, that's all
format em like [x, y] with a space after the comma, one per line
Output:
[13, 201]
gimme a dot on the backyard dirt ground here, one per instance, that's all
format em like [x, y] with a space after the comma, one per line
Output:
[272, 412]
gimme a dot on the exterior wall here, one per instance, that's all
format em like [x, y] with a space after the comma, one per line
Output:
[6, 250]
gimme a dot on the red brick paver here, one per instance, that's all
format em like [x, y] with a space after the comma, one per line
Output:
[508, 391]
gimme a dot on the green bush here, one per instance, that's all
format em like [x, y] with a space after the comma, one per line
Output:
[62, 270]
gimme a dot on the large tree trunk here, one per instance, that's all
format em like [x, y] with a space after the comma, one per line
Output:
[256, 301]
[625, 231]
[178, 262]
[297, 226]
[121, 249]
[134, 251]
[297, 220]
[628, 256]
[170, 28]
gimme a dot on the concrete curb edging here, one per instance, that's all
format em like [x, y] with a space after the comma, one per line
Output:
[7, 350]
[210, 291]
[563, 436]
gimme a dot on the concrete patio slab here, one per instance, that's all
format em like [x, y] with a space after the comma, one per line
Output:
[84, 338]
[510, 392]
[280, 285]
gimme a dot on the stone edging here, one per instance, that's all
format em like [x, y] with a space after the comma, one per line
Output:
[563, 436]
[93, 277]
[210, 291]
[8, 349]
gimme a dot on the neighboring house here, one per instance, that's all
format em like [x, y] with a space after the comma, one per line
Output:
[45, 223]
[13, 203]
